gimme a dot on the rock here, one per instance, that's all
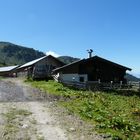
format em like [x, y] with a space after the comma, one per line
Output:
[25, 126]
[51, 103]
[72, 129]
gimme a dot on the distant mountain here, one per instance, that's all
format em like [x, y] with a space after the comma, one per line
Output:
[130, 77]
[12, 54]
[67, 59]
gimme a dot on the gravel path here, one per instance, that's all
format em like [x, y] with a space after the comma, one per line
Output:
[25, 115]
[15, 94]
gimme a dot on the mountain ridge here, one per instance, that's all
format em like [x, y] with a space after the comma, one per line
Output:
[67, 59]
[131, 77]
[12, 54]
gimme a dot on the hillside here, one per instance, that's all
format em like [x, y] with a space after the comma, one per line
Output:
[130, 77]
[67, 59]
[12, 54]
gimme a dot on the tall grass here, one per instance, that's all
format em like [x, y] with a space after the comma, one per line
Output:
[113, 114]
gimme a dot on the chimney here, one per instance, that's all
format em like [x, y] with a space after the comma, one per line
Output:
[90, 51]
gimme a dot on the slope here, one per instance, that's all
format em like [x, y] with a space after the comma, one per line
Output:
[12, 54]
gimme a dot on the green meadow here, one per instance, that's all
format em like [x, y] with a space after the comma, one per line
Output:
[113, 113]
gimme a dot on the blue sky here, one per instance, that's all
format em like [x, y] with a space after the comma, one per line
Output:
[69, 27]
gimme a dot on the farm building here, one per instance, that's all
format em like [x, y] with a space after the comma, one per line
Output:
[8, 71]
[40, 68]
[91, 69]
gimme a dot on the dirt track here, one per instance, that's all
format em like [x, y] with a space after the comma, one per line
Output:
[25, 115]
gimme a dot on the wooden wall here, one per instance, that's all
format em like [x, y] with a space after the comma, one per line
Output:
[43, 68]
[104, 71]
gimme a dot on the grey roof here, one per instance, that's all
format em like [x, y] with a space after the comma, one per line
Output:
[8, 68]
[31, 62]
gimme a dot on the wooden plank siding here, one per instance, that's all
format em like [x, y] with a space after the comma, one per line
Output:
[96, 69]
[106, 72]
[41, 68]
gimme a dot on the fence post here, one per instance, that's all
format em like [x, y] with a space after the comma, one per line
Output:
[111, 84]
[139, 86]
[130, 84]
[88, 86]
[99, 84]
[120, 84]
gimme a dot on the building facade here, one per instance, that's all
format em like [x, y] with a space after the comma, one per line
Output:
[92, 69]
[41, 68]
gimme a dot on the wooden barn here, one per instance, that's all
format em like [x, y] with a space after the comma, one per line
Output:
[91, 69]
[40, 68]
[8, 71]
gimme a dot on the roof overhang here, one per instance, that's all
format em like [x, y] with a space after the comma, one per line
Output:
[8, 68]
[88, 59]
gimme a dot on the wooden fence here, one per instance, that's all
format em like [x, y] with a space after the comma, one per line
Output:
[135, 85]
[96, 85]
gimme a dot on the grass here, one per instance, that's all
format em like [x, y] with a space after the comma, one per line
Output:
[12, 125]
[1, 77]
[40, 138]
[114, 114]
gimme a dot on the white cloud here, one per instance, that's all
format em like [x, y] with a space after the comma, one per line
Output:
[52, 53]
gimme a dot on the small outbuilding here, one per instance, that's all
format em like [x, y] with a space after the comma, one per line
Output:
[8, 71]
[40, 68]
[91, 69]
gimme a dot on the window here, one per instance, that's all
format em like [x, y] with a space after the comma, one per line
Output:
[81, 79]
